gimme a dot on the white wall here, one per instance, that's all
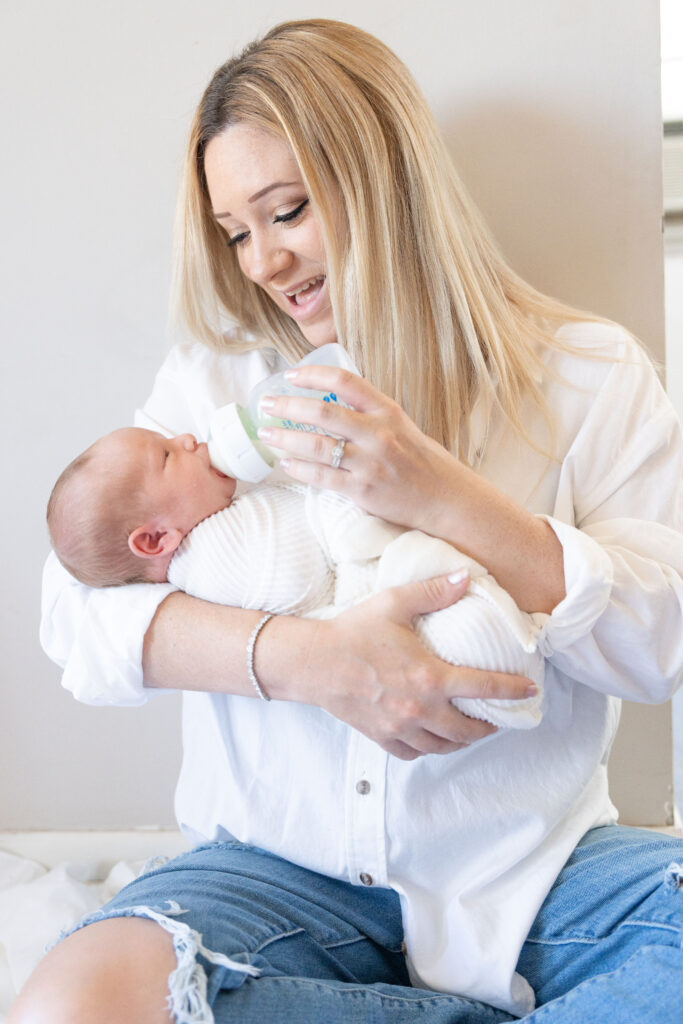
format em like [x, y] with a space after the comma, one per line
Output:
[673, 266]
[672, 110]
[552, 109]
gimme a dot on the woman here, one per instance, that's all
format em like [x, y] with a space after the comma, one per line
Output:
[319, 204]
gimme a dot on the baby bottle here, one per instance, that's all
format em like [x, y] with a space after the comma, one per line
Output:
[234, 445]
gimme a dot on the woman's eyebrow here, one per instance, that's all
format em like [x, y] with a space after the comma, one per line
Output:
[259, 194]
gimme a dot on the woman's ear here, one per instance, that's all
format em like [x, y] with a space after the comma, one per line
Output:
[151, 542]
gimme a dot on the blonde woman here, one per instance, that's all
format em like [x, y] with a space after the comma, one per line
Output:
[367, 853]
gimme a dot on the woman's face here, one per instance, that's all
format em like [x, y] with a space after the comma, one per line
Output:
[259, 199]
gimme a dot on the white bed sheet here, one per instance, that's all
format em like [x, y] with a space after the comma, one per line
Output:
[37, 904]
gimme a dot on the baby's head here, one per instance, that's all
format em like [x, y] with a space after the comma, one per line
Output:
[119, 511]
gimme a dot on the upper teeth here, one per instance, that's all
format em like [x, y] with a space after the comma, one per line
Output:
[303, 287]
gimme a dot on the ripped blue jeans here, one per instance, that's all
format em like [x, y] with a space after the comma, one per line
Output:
[260, 940]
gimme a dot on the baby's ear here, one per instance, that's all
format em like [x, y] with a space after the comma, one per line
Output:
[150, 542]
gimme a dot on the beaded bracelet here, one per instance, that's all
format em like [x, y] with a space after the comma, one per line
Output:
[251, 644]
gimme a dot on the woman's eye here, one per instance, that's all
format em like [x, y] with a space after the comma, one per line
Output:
[280, 218]
[238, 239]
[283, 218]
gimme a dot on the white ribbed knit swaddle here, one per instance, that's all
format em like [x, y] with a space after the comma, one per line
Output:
[290, 550]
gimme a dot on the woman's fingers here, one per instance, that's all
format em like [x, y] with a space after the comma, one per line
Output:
[429, 732]
[485, 685]
[391, 688]
[308, 446]
[404, 603]
[349, 387]
[426, 743]
[354, 413]
[458, 732]
[432, 595]
[389, 467]
[402, 750]
[327, 417]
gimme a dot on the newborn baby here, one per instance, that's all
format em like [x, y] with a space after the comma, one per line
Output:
[139, 507]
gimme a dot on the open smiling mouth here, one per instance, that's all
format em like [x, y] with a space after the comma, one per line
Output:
[304, 294]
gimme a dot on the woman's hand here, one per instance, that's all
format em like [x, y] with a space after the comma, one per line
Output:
[392, 470]
[388, 466]
[368, 668]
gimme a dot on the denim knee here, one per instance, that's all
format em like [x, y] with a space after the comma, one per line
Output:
[235, 912]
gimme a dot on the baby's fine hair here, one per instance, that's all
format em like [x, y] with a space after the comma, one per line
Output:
[90, 514]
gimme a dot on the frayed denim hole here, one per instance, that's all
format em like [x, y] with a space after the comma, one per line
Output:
[673, 878]
[154, 863]
[221, 978]
[187, 999]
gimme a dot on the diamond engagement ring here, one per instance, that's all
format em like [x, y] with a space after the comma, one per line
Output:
[338, 453]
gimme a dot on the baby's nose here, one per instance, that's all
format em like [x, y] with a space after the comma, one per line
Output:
[187, 441]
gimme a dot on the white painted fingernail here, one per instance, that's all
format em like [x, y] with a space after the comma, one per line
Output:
[458, 577]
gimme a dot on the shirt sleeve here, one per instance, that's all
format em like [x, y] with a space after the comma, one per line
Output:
[619, 518]
[96, 635]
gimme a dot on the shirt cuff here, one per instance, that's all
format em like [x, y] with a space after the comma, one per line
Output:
[588, 576]
[97, 635]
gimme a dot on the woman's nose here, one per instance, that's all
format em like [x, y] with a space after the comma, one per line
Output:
[265, 261]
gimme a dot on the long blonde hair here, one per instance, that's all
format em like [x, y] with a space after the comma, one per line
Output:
[422, 298]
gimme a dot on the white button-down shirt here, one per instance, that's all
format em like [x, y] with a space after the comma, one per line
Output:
[472, 841]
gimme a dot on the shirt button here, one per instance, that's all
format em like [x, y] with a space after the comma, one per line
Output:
[363, 787]
[365, 878]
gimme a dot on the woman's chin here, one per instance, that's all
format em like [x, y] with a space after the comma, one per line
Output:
[318, 335]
